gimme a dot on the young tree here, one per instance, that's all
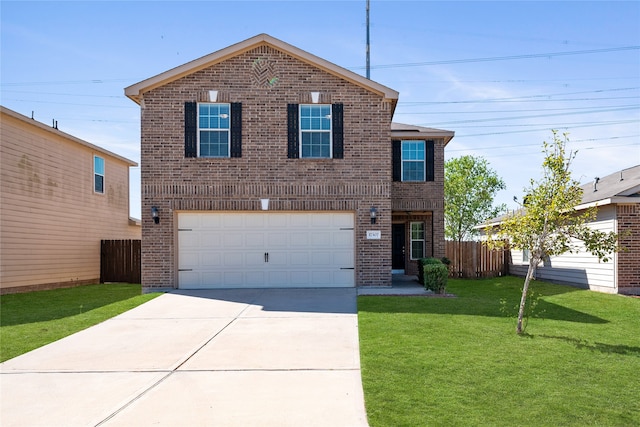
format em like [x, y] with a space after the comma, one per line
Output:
[547, 223]
[470, 186]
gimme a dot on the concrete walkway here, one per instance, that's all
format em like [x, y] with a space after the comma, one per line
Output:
[199, 358]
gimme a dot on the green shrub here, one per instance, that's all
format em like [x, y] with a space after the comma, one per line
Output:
[435, 277]
[425, 261]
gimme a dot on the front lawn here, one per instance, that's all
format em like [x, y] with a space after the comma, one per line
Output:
[31, 320]
[458, 361]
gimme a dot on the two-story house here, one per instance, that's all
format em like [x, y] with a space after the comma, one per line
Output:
[59, 197]
[265, 166]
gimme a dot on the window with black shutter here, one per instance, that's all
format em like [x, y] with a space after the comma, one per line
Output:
[337, 129]
[236, 129]
[430, 159]
[315, 131]
[293, 141]
[212, 129]
[190, 129]
[396, 148]
[413, 160]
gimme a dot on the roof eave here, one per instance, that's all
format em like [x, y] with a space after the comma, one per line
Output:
[136, 91]
[54, 131]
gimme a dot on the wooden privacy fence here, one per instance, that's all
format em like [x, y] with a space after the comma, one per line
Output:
[473, 259]
[120, 261]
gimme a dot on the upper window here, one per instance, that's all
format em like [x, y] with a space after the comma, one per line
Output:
[213, 130]
[417, 240]
[98, 174]
[315, 131]
[413, 161]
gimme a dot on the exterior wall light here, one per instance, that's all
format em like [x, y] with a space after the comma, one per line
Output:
[155, 214]
[373, 212]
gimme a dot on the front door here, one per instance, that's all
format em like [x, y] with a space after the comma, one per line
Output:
[397, 246]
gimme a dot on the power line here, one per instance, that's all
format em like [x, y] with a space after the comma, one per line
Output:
[538, 145]
[514, 111]
[503, 58]
[67, 82]
[518, 98]
[543, 129]
[535, 116]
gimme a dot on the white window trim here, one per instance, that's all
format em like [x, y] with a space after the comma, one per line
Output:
[525, 256]
[301, 131]
[424, 162]
[411, 239]
[212, 130]
[99, 174]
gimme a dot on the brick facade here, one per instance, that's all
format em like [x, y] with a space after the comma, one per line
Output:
[355, 183]
[628, 217]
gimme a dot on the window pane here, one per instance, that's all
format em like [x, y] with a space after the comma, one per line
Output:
[99, 183]
[413, 171]
[98, 165]
[417, 231]
[316, 144]
[417, 249]
[213, 116]
[412, 150]
[214, 143]
[315, 126]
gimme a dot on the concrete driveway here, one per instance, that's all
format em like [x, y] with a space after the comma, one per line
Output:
[254, 357]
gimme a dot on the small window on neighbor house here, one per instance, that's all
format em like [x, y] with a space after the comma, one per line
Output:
[417, 240]
[525, 255]
[315, 131]
[213, 130]
[413, 161]
[98, 174]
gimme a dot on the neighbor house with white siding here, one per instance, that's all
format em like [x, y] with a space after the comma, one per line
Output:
[60, 196]
[617, 199]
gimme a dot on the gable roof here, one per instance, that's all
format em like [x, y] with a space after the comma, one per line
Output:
[401, 130]
[136, 91]
[32, 122]
[618, 187]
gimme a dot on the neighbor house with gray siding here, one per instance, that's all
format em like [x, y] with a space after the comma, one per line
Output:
[616, 198]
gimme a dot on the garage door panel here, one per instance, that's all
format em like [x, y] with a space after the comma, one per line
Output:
[299, 259]
[228, 249]
[277, 240]
[254, 240]
[343, 240]
[233, 259]
[212, 259]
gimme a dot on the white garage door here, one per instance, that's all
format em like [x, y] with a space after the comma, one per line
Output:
[265, 249]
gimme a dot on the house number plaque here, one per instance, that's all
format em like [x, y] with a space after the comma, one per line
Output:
[374, 234]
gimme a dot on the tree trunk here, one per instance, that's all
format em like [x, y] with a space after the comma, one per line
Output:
[532, 268]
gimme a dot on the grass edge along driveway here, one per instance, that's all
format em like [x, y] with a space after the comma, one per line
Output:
[458, 361]
[33, 319]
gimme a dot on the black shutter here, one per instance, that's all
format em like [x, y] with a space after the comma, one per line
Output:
[396, 148]
[190, 129]
[293, 139]
[236, 129]
[337, 128]
[429, 157]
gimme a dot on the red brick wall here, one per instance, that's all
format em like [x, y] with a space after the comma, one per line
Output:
[173, 183]
[629, 258]
[425, 197]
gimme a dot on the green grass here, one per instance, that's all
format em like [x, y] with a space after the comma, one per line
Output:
[31, 320]
[459, 362]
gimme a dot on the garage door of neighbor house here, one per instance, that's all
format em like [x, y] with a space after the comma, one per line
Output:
[265, 249]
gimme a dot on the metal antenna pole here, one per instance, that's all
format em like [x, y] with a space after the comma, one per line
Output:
[368, 45]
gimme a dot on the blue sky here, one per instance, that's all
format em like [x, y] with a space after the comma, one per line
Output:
[500, 74]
